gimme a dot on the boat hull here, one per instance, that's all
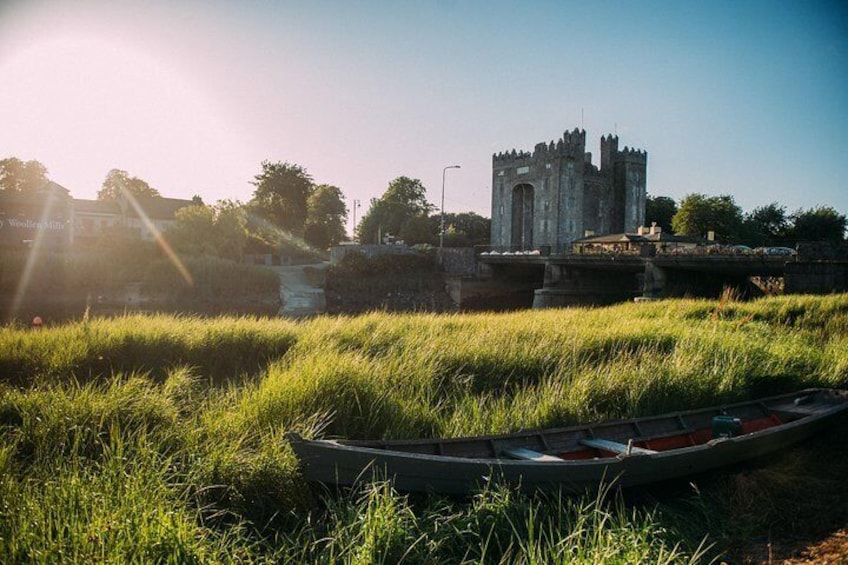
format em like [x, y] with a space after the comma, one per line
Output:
[338, 463]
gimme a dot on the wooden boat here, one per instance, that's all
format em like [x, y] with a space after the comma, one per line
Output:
[629, 452]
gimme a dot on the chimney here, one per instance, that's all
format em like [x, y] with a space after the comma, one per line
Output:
[655, 229]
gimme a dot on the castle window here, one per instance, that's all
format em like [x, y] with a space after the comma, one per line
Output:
[523, 170]
[547, 165]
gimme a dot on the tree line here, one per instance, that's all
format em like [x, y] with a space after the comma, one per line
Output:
[768, 225]
[288, 209]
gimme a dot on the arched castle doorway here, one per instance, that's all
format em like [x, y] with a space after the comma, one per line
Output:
[522, 216]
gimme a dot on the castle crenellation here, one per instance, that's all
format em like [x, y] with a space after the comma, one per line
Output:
[556, 194]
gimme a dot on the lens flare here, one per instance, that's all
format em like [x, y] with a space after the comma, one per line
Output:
[157, 235]
[260, 224]
[35, 251]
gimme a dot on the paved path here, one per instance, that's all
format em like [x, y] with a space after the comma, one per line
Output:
[298, 295]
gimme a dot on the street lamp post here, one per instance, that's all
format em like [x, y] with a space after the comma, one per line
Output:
[442, 230]
[355, 206]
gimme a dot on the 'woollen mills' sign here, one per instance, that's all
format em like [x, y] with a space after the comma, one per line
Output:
[44, 215]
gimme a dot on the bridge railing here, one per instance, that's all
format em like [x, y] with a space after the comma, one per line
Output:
[629, 249]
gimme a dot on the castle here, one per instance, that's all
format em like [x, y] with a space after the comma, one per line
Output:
[556, 196]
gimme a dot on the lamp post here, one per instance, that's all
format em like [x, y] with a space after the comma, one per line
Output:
[442, 230]
[355, 206]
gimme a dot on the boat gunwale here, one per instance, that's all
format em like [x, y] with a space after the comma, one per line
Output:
[381, 449]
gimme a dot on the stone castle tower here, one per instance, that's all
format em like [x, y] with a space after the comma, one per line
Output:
[555, 195]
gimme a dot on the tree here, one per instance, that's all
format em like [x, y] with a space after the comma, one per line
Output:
[193, 231]
[231, 229]
[118, 181]
[20, 176]
[464, 229]
[660, 209]
[818, 224]
[765, 225]
[699, 214]
[419, 229]
[210, 230]
[282, 191]
[404, 199]
[325, 217]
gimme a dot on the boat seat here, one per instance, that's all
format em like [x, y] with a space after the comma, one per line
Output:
[614, 446]
[529, 454]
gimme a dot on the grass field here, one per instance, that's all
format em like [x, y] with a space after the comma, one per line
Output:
[160, 438]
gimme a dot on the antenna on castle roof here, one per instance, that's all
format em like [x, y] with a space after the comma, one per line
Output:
[581, 119]
[615, 128]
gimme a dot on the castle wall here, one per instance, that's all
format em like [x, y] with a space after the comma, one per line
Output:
[551, 196]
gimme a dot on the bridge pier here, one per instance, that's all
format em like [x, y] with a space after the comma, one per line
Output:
[654, 281]
[566, 285]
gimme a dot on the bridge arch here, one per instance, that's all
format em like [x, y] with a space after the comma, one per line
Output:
[522, 215]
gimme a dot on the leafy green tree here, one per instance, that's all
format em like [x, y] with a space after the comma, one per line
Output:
[698, 214]
[231, 228]
[419, 229]
[118, 181]
[660, 209]
[193, 230]
[765, 225]
[404, 199]
[465, 229]
[218, 230]
[281, 195]
[325, 218]
[818, 224]
[20, 176]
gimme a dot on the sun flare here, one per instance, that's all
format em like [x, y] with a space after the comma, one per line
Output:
[87, 104]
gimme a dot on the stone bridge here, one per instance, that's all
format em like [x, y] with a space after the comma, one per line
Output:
[522, 279]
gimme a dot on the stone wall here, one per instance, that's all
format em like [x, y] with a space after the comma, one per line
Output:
[820, 268]
[369, 251]
[458, 261]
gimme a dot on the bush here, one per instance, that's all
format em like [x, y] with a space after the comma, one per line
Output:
[209, 278]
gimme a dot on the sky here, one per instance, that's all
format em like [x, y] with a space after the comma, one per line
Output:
[747, 98]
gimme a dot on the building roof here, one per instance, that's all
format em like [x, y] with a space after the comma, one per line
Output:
[637, 238]
[47, 190]
[158, 208]
[54, 188]
[96, 206]
[155, 207]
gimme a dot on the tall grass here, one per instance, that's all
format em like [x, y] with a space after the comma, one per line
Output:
[222, 349]
[160, 438]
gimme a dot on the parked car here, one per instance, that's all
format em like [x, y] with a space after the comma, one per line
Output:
[740, 249]
[775, 251]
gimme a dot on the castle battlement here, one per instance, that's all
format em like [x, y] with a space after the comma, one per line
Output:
[511, 157]
[632, 155]
[571, 144]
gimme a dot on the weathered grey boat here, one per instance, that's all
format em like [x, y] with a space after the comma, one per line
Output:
[630, 452]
